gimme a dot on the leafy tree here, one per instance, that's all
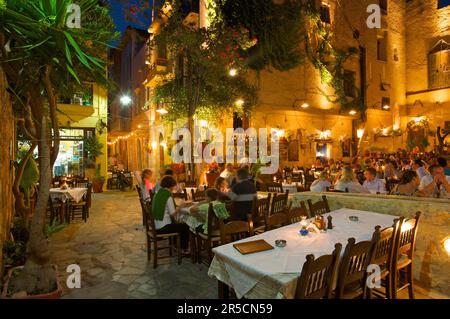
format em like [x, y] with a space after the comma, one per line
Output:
[43, 58]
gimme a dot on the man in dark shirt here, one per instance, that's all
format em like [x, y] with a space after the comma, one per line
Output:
[242, 194]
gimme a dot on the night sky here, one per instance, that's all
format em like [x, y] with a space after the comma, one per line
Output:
[124, 16]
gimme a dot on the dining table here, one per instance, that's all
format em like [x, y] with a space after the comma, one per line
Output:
[273, 274]
[65, 196]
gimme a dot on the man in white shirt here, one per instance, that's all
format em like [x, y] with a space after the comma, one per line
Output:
[417, 165]
[436, 184]
[372, 183]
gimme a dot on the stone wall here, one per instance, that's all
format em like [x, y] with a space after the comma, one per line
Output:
[431, 261]
[6, 171]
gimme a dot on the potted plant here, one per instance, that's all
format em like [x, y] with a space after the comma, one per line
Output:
[98, 181]
[87, 99]
[93, 148]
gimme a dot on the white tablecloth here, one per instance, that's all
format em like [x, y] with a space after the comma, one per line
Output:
[274, 273]
[292, 188]
[75, 194]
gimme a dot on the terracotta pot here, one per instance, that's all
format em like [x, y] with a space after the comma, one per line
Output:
[51, 295]
[97, 186]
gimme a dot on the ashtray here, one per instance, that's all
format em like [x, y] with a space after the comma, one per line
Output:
[354, 218]
[280, 243]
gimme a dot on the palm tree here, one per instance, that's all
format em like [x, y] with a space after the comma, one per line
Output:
[43, 58]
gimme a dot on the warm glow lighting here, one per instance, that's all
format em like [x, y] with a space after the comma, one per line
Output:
[446, 244]
[385, 131]
[154, 145]
[125, 100]
[147, 62]
[406, 227]
[240, 102]
[419, 119]
[352, 112]
[139, 126]
[233, 72]
[360, 133]
[305, 105]
[323, 135]
[203, 123]
[396, 127]
[162, 111]
[163, 144]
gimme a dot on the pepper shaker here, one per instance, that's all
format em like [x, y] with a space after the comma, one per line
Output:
[330, 224]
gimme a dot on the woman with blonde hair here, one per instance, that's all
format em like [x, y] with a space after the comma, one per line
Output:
[349, 182]
[321, 184]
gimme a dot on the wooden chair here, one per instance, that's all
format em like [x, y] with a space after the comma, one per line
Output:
[260, 209]
[353, 269]
[317, 277]
[321, 207]
[210, 240]
[275, 221]
[183, 195]
[279, 203]
[153, 238]
[383, 256]
[273, 187]
[296, 213]
[198, 196]
[82, 207]
[404, 245]
[235, 230]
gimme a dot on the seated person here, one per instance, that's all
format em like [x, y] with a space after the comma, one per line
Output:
[321, 184]
[418, 166]
[348, 181]
[228, 174]
[436, 184]
[200, 211]
[444, 164]
[146, 186]
[163, 210]
[167, 172]
[372, 182]
[408, 186]
[221, 185]
[242, 194]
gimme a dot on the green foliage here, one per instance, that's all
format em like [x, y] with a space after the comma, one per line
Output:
[204, 87]
[29, 179]
[14, 253]
[41, 38]
[277, 28]
[98, 176]
[54, 227]
[323, 53]
[93, 147]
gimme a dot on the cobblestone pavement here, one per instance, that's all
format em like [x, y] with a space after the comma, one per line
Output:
[111, 251]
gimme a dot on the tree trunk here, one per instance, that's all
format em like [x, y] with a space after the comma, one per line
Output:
[37, 274]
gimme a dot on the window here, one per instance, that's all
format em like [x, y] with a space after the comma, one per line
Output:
[382, 48]
[349, 83]
[237, 121]
[386, 103]
[443, 3]
[383, 6]
[325, 13]
[439, 66]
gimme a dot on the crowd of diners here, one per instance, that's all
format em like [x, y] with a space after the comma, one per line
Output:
[425, 176]
[422, 175]
[232, 186]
